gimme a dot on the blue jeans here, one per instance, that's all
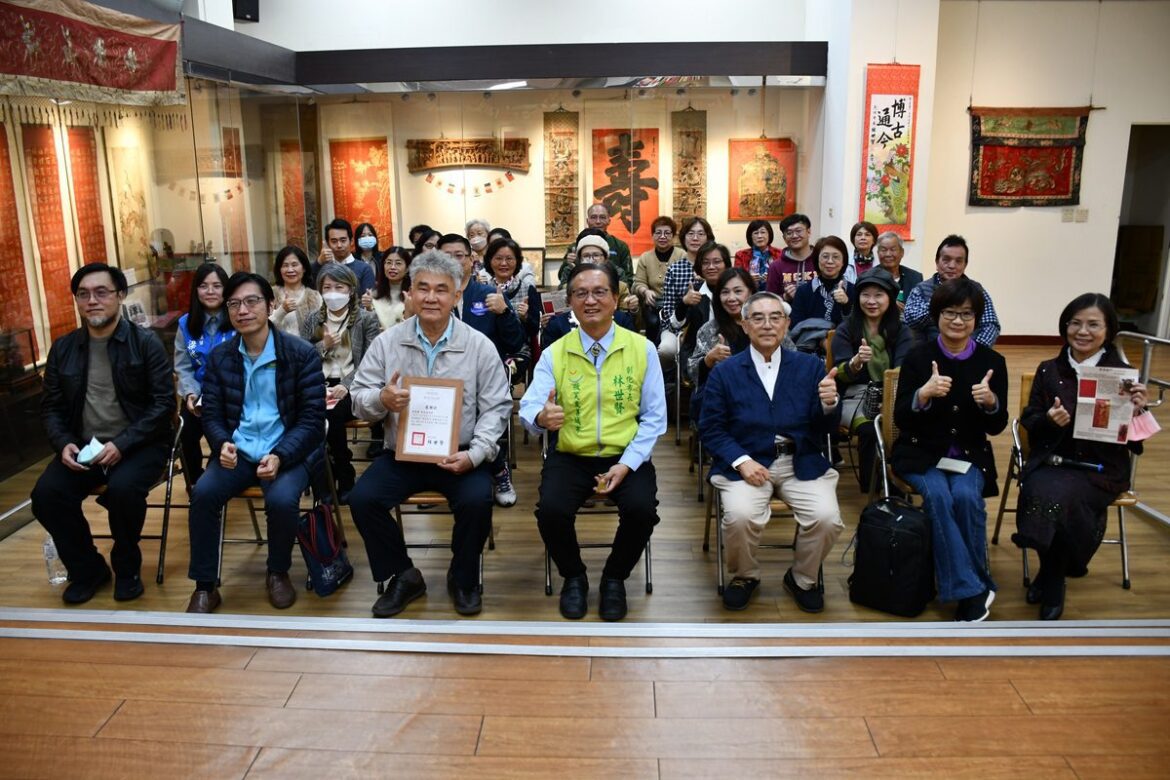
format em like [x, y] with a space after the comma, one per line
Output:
[217, 486]
[959, 526]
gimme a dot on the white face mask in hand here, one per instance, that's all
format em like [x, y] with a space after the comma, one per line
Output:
[336, 301]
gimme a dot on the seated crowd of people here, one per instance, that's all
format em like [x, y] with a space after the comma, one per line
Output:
[267, 377]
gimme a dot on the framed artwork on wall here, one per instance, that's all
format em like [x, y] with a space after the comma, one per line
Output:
[761, 178]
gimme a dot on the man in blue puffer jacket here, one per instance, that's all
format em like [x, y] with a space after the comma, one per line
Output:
[264, 416]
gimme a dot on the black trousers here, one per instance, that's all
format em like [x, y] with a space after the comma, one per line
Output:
[191, 442]
[387, 482]
[56, 503]
[566, 482]
[341, 457]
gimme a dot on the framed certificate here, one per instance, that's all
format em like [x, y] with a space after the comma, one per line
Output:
[428, 429]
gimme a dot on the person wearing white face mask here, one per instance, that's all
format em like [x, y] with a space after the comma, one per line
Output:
[342, 331]
[366, 239]
[477, 235]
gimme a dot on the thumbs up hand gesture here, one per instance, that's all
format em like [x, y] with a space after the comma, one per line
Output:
[827, 389]
[982, 392]
[936, 387]
[496, 301]
[717, 353]
[552, 416]
[394, 396]
[1058, 414]
[863, 356]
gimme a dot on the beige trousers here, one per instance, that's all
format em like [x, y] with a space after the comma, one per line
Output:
[746, 513]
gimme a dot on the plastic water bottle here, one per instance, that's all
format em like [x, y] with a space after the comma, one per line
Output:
[58, 574]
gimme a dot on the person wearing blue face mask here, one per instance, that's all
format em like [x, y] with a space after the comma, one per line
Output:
[366, 246]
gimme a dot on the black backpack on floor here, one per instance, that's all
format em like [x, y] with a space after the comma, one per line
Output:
[893, 569]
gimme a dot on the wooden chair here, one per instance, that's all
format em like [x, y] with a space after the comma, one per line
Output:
[1019, 456]
[168, 479]
[887, 434]
[595, 505]
[353, 426]
[432, 503]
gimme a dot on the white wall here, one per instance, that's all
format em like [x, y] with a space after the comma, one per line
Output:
[1042, 54]
[313, 25]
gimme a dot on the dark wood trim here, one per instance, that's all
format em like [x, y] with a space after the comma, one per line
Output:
[1029, 341]
[578, 60]
[239, 57]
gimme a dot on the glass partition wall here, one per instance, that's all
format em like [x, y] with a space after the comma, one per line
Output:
[240, 172]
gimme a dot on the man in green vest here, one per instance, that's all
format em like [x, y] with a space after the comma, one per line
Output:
[599, 388]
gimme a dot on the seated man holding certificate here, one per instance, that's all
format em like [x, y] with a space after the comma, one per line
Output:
[600, 387]
[440, 436]
[951, 396]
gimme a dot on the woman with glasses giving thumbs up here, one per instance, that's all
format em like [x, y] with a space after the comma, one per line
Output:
[952, 394]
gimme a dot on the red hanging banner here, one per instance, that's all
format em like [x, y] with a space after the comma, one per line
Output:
[76, 50]
[15, 309]
[887, 150]
[625, 179]
[361, 184]
[83, 165]
[40, 162]
[292, 190]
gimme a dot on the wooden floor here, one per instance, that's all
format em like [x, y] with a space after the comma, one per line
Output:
[98, 710]
[684, 575]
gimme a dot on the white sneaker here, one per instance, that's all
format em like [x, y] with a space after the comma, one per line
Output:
[505, 493]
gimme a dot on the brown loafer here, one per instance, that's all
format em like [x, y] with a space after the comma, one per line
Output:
[204, 602]
[281, 593]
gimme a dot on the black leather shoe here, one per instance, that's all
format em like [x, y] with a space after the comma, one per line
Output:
[575, 597]
[613, 599]
[81, 591]
[467, 602]
[127, 588]
[1035, 593]
[1052, 606]
[204, 602]
[737, 595]
[809, 600]
[403, 589]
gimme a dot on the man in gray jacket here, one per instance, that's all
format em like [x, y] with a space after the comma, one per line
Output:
[433, 343]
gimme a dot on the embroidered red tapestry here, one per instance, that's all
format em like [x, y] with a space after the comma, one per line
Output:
[76, 50]
[84, 167]
[15, 309]
[361, 184]
[625, 179]
[292, 192]
[1027, 156]
[40, 160]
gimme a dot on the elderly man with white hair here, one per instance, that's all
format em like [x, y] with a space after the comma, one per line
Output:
[890, 252]
[432, 343]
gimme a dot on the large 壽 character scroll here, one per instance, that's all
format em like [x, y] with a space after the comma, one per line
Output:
[625, 181]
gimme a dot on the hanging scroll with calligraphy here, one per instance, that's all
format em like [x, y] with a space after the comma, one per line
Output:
[15, 308]
[762, 178]
[232, 214]
[86, 197]
[688, 130]
[1027, 156]
[74, 50]
[561, 177]
[292, 194]
[887, 155]
[625, 180]
[361, 184]
[40, 163]
[130, 218]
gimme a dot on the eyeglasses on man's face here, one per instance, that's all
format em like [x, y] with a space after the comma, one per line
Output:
[795, 232]
[248, 302]
[98, 294]
[597, 294]
[771, 317]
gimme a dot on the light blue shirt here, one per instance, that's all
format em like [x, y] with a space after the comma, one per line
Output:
[651, 406]
[260, 424]
[432, 351]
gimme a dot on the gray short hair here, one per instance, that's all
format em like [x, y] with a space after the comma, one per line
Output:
[438, 263]
[487, 228]
[763, 296]
[338, 272]
[893, 235]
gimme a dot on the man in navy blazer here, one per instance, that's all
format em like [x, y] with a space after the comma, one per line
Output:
[480, 305]
[766, 413]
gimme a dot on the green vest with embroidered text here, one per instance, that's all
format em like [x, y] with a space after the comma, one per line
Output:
[601, 411]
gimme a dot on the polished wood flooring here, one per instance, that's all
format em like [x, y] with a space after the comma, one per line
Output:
[684, 574]
[98, 710]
